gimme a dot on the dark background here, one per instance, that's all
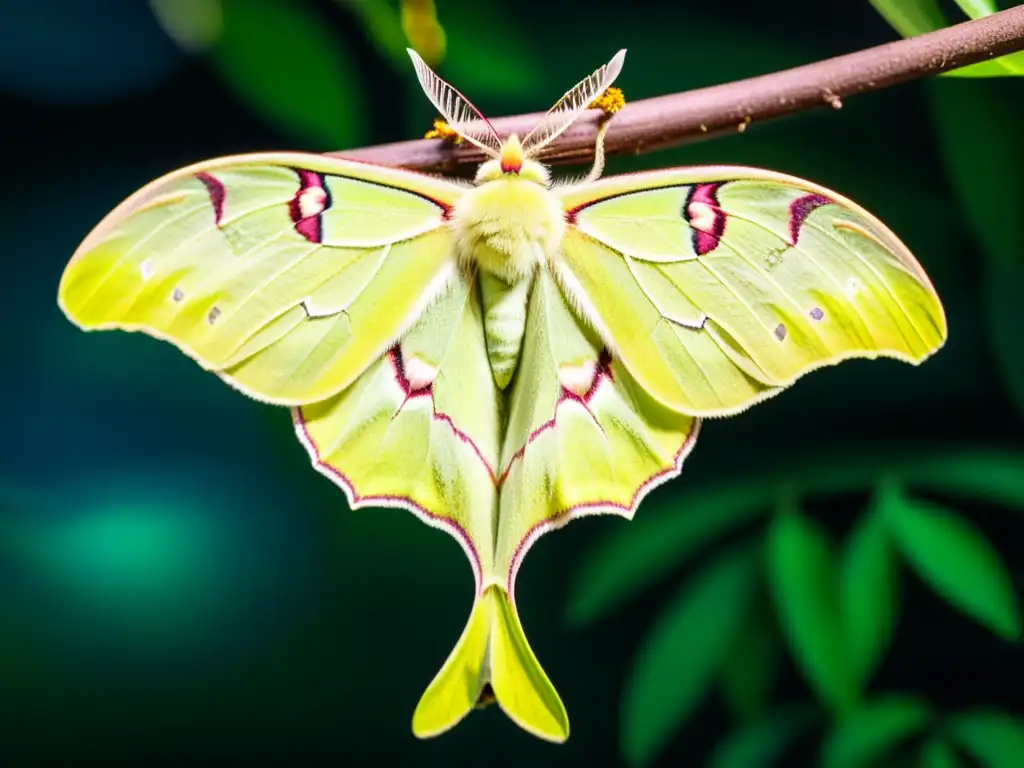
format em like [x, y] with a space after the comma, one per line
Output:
[176, 580]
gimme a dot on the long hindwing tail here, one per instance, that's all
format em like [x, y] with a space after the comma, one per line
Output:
[718, 287]
[287, 274]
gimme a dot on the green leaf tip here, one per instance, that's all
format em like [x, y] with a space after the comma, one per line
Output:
[937, 753]
[761, 744]
[684, 653]
[957, 561]
[873, 730]
[803, 581]
[992, 737]
[868, 595]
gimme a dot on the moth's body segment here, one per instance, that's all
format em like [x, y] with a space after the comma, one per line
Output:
[506, 227]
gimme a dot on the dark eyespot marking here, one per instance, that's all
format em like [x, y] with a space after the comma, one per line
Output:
[780, 331]
[705, 218]
[307, 207]
[817, 313]
[178, 294]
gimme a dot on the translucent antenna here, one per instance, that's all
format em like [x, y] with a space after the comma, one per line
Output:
[568, 108]
[463, 117]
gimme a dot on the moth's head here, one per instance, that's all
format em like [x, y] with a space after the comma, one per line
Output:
[513, 157]
[512, 160]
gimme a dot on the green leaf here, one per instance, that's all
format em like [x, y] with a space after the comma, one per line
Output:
[915, 17]
[996, 477]
[502, 64]
[673, 529]
[761, 744]
[864, 736]
[803, 582]
[749, 672]
[956, 560]
[684, 651]
[283, 61]
[994, 738]
[978, 127]
[617, 568]
[423, 30]
[977, 8]
[383, 26]
[1004, 66]
[936, 753]
[911, 18]
[194, 25]
[868, 591]
[387, 27]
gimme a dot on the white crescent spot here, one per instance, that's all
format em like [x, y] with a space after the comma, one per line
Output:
[312, 201]
[419, 373]
[578, 379]
[702, 216]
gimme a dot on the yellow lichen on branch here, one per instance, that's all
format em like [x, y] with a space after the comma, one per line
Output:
[443, 131]
[609, 102]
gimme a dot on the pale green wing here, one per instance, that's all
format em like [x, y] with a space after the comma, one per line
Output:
[286, 274]
[419, 430]
[582, 436]
[719, 286]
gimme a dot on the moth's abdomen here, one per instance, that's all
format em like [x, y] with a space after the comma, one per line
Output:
[504, 323]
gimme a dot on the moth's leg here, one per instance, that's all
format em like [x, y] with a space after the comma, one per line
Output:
[598, 167]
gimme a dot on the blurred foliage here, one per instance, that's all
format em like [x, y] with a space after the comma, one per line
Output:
[423, 31]
[177, 580]
[958, 561]
[993, 738]
[867, 595]
[803, 580]
[978, 128]
[666, 685]
[195, 25]
[836, 609]
[273, 55]
[413, 24]
[267, 48]
[915, 17]
[865, 735]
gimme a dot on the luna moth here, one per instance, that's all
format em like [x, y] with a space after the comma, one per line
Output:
[503, 356]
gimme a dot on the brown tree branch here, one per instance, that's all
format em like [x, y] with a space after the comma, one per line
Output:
[668, 121]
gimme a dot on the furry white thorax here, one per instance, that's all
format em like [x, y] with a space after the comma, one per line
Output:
[511, 221]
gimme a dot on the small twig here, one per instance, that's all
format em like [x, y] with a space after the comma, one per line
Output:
[668, 121]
